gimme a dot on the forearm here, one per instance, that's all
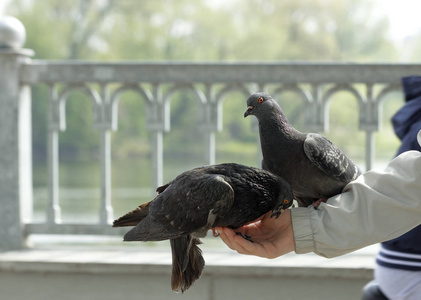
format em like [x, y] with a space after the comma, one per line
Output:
[378, 206]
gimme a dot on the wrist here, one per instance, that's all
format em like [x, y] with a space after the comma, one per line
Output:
[287, 234]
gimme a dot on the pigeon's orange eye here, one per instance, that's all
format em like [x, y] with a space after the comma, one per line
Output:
[286, 201]
[260, 100]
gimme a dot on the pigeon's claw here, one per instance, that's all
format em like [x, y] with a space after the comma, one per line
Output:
[317, 203]
[214, 232]
[244, 236]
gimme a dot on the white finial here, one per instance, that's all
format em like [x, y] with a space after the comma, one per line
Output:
[12, 33]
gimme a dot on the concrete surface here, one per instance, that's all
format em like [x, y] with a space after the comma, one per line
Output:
[144, 273]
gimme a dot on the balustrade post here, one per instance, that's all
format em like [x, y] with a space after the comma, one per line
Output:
[210, 145]
[106, 121]
[157, 158]
[106, 209]
[15, 137]
[158, 121]
[211, 123]
[370, 122]
[55, 123]
[369, 150]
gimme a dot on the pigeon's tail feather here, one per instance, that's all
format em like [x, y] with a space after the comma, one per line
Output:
[187, 262]
[134, 217]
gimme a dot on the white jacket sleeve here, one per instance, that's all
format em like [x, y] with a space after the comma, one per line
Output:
[376, 207]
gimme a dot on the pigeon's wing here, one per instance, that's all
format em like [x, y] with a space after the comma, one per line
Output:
[329, 158]
[189, 204]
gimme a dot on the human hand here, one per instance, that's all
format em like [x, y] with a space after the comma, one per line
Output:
[272, 237]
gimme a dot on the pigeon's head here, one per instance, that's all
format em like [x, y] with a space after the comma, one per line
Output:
[259, 104]
[285, 197]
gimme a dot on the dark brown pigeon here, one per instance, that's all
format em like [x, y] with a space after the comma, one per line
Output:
[314, 167]
[200, 199]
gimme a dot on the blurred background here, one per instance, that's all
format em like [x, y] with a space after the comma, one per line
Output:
[361, 31]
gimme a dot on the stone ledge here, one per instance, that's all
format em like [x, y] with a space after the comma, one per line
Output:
[143, 272]
[158, 261]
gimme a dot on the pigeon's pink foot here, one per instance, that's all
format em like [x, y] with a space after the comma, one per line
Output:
[317, 203]
[215, 234]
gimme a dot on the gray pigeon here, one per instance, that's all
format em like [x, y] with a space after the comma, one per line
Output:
[229, 195]
[314, 167]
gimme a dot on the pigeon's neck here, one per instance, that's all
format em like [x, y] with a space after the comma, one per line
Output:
[277, 124]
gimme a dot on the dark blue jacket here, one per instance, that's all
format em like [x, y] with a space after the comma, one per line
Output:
[404, 252]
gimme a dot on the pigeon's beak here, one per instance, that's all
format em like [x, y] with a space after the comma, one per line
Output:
[248, 111]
